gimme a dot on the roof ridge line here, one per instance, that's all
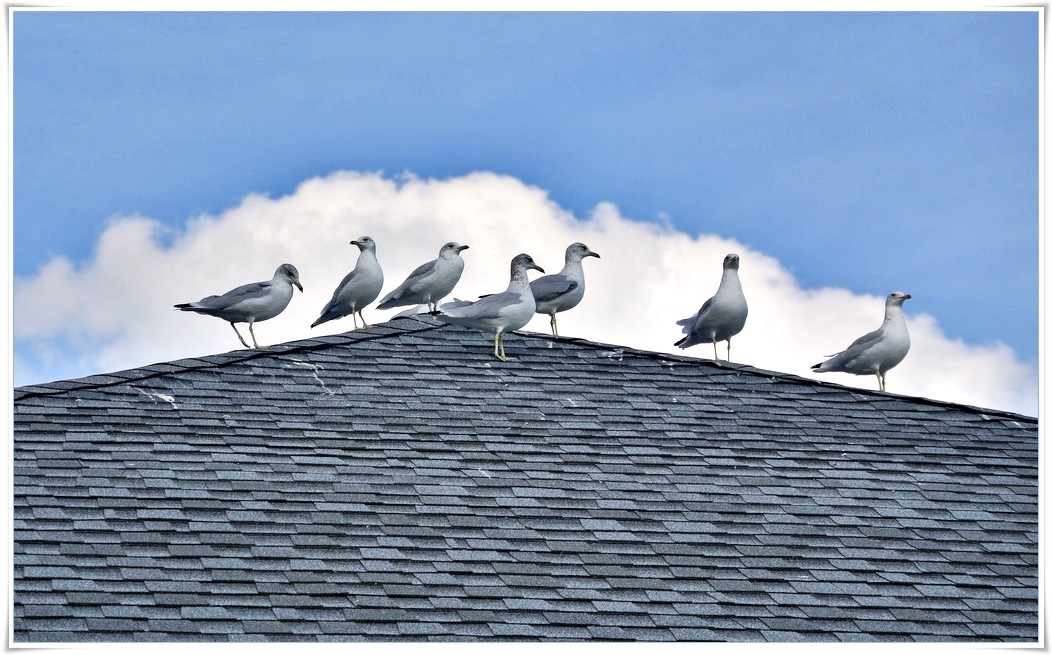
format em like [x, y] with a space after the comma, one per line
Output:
[315, 343]
[753, 370]
[231, 357]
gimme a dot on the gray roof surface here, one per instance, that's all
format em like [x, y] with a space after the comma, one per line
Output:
[398, 482]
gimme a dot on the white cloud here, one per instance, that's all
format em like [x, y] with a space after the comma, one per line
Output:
[115, 311]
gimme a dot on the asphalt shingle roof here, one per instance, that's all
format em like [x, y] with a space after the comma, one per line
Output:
[399, 482]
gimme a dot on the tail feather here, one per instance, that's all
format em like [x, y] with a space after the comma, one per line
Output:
[687, 323]
[391, 300]
[328, 313]
[443, 317]
[818, 367]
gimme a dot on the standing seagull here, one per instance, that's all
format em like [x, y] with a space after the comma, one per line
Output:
[249, 303]
[876, 352]
[563, 290]
[430, 282]
[500, 312]
[722, 316]
[359, 288]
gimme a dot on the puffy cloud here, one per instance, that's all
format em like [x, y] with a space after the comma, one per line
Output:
[115, 311]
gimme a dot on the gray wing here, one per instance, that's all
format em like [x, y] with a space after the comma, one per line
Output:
[406, 287]
[234, 296]
[860, 344]
[551, 287]
[419, 273]
[488, 307]
[339, 287]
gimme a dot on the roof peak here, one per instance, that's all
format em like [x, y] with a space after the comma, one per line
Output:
[422, 323]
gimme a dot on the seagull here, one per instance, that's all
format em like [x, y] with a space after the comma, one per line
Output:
[722, 316]
[359, 288]
[430, 282]
[249, 303]
[500, 312]
[563, 290]
[876, 352]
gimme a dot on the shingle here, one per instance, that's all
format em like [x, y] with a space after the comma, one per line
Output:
[696, 634]
[631, 495]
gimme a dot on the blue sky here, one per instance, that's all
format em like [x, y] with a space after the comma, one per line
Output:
[868, 151]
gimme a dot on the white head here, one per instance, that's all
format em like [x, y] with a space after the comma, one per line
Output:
[451, 248]
[896, 298]
[289, 272]
[523, 262]
[575, 252]
[365, 243]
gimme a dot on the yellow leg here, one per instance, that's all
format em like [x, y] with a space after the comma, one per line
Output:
[243, 342]
[498, 348]
[555, 328]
